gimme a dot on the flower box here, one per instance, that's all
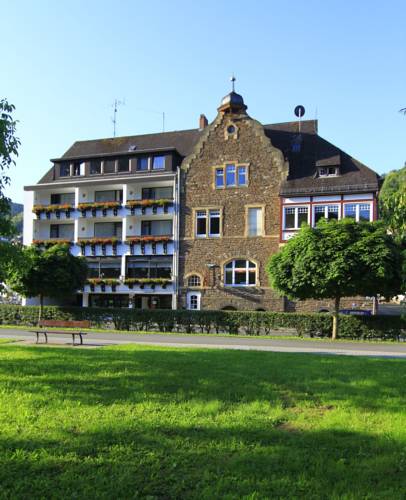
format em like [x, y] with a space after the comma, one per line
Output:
[48, 209]
[51, 242]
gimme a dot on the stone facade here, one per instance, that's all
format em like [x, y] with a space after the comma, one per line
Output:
[206, 257]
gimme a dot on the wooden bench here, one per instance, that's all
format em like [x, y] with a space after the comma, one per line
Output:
[46, 327]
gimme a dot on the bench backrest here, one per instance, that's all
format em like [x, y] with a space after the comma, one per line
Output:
[64, 324]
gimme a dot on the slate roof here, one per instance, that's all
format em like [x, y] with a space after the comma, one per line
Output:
[315, 152]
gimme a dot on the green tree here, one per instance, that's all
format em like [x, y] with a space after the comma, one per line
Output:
[9, 144]
[54, 273]
[392, 203]
[337, 259]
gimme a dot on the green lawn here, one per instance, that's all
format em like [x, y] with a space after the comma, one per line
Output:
[144, 422]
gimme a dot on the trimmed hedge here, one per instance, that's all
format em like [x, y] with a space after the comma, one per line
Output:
[230, 322]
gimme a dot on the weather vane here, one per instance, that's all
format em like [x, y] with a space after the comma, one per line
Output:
[232, 80]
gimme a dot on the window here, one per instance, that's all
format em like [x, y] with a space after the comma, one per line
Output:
[219, 177]
[255, 221]
[208, 223]
[108, 300]
[240, 273]
[63, 198]
[64, 169]
[95, 167]
[214, 223]
[142, 163]
[109, 166]
[104, 268]
[108, 229]
[194, 280]
[326, 211]
[123, 165]
[77, 167]
[193, 301]
[358, 211]
[111, 195]
[295, 217]
[156, 228]
[201, 223]
[62, 231]
[242, 176]
[154, 267]
[157, 193]
[328, 171]
[231, 176]
[158, 162]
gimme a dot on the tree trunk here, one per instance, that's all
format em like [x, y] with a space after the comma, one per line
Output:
[335, 318]
[41, 307]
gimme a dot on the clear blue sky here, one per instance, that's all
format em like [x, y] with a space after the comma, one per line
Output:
[64, 62]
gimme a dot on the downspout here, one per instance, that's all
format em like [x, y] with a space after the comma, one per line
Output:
[176, 239]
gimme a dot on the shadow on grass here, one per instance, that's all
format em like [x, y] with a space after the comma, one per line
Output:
[190, 462]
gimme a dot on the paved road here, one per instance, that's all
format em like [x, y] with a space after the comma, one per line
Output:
[213, 341]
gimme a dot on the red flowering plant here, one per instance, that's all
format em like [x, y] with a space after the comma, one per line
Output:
[148, 203]
[148, 239]
[38, 209]
[99, 205]
[147, 281]
[51, 242]
[98, 241]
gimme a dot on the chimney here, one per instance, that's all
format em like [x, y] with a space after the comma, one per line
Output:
[203, 122]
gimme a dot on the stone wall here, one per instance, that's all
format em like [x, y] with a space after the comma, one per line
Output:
[266, 169]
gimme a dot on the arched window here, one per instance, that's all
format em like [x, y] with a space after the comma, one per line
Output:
[194, 280]
[240, 273]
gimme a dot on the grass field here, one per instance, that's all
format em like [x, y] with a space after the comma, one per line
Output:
[143, 422]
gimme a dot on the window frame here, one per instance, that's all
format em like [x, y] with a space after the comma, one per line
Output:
[207, 216]
[247, 209]
[247, 269]
[357, 209]
[192, 276]
[237, 167]
[153, 162]
[296, 208]
[326, 211]
[59, 237]
[93, 162]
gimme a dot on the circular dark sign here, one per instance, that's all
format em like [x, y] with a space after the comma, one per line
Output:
[299, 111]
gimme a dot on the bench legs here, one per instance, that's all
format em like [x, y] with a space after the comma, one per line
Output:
[46, 337]
[80, 336]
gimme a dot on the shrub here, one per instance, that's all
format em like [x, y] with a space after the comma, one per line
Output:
[224, 322]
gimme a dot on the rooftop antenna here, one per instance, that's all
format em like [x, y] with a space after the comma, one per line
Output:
[299, 112]
[114, 119]
[232, 80]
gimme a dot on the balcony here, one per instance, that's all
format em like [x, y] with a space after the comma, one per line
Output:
[129, 285]
[53, 212]
[150, 207]
[150, 245]
[100, 209]
[94, 246]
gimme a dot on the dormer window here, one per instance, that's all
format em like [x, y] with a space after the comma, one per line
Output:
[328, 171]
